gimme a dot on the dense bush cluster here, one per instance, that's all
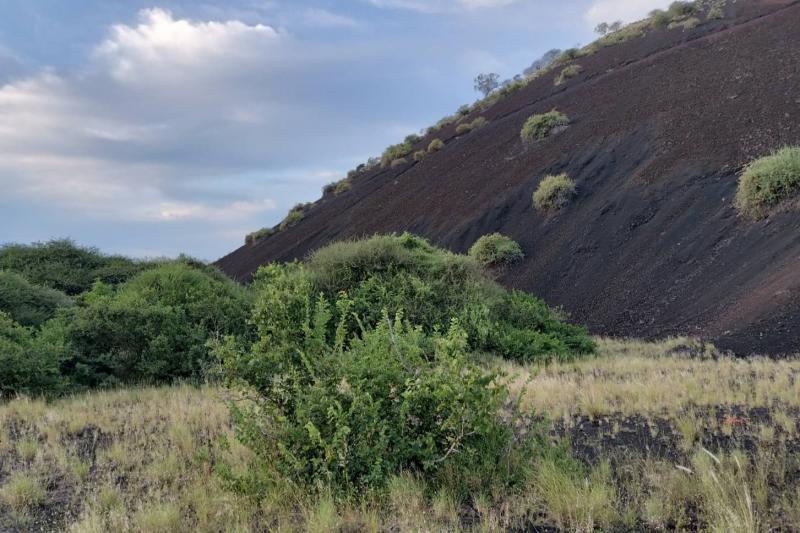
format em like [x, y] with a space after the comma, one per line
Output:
[537, 127]
[152, 328]
[496, 249]
[363, 367]
[768, 181]
[554, 192]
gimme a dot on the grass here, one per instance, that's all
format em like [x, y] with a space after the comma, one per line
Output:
[295, 215]
[153, 456]
[553, 193]
[568, 72]
[435, 145]
[496, 249]
[769, 181]
[537, 127]
[257, 235]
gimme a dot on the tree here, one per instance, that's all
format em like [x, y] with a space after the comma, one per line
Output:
[486, 83]
[602, 28]
[615, 26]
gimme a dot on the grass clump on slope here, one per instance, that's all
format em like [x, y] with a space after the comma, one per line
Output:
[553, 193]
[768, 181]
[538, 127]
[496, 249]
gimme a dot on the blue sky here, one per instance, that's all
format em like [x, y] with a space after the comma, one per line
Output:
[152, 128]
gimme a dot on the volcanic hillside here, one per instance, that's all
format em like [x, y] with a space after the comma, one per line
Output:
[661, 127]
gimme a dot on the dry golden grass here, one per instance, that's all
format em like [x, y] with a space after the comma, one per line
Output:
[143, 459]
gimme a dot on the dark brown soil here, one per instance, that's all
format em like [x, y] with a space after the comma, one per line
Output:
[652, 245]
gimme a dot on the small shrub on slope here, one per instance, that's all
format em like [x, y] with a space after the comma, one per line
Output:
[435, 145]
[554, 192]
[768, 181]
[569, 72]
[496, 249]
[256, 236]
[295, 215]
[538, 127]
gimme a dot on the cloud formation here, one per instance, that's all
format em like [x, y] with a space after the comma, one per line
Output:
[624, 10]
[163, 107]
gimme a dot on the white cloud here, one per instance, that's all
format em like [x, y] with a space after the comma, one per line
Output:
[624, 10]
[165, 116]
[322, 18]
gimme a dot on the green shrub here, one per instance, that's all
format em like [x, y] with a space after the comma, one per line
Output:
[538, 127]
[554, 192]
[65, 266]
[154, 328]
[256, 236]
[30, 361]
[431, 286]
[569, 72]
[768, 181]
[660, 18]
[678, 10]
[395, 152]
[295, 215]
[29, 304]
[346, 406]
[496, 249]
[419, 155]
[478, 123]
[399, 162]
[463, 128]
[338, 187]
[435, 145]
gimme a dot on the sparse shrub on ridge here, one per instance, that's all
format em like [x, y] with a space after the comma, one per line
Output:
[569, 72]
[252, 238]
[768, 181]
[479, 122]
[537, 127]
[435, 145]
[295, 215]
[553, 193]
[496, 249]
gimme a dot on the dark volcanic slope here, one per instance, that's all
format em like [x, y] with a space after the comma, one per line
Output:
[652, 245]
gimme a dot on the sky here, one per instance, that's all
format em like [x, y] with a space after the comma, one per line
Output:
[153, 128]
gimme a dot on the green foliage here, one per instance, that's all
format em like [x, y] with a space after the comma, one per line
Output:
[345, 406]
[660, 18]
[496, 249]
[463, 128]
[397, 151]
[569, 72]
[30, 361]
[674, 15]
[256, 236]
[435, 145]
[419, 155]
[65, 266]
[154, 328]
[768, 181]
[429, 285]
[399, 162]
[295, 215]
[29, 304]
[338, 187]
[554, 192]
[538, 127]
[678, 10]
[467, 127]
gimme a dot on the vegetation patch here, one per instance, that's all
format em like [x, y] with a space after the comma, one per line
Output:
[769, 181]
[538, 127]
[419, 155]
[26, 303]
[569, 72]
[496, 249]
[295, 215]
[252, 238]
[435, 145]
[554, 192]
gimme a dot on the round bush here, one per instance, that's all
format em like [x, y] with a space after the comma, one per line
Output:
[28, 304]
[496, 249]
[538, 127]
[769, 181]
[554, 192]
[435, 145]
